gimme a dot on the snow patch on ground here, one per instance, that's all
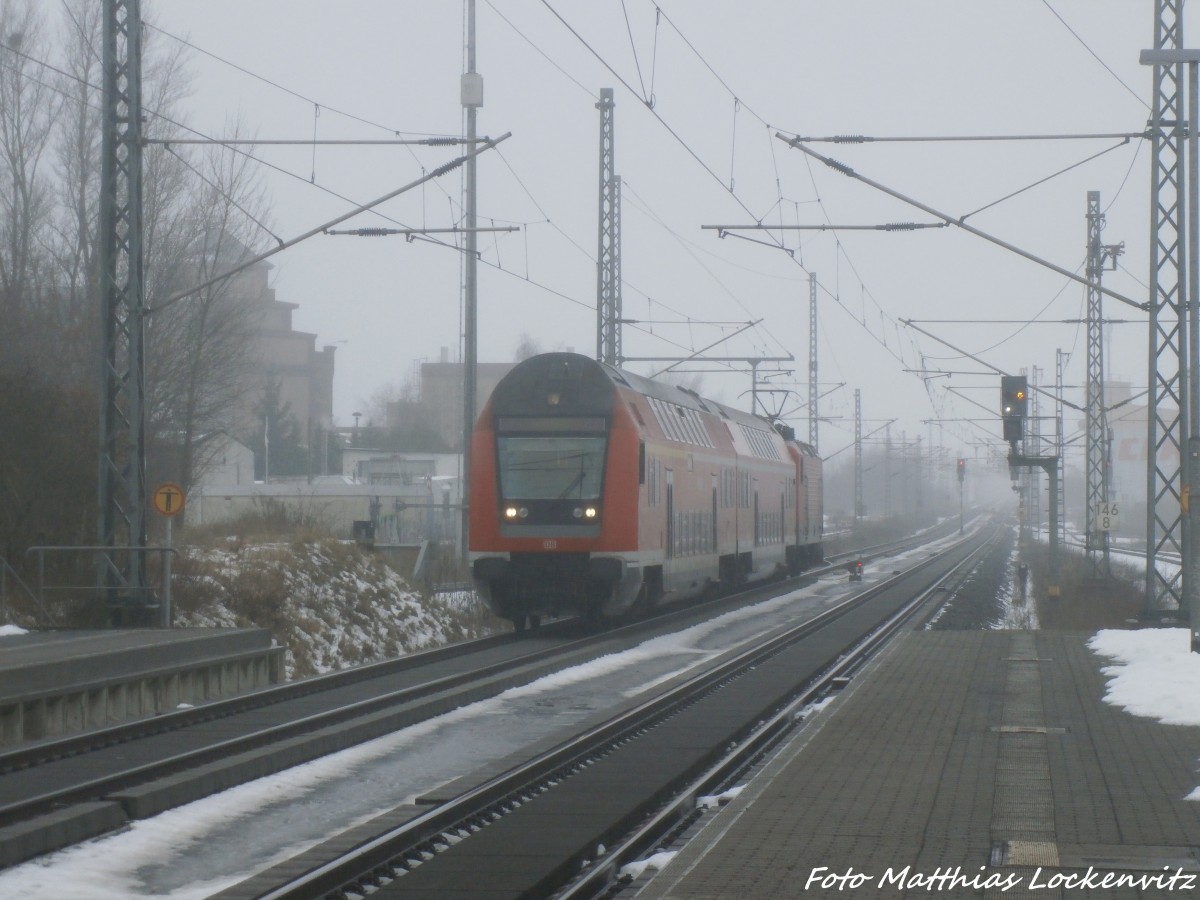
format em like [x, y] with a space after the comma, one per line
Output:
[328, 602]
[634, 870]
[709, 801]
[1154, 673]
[1018, 613]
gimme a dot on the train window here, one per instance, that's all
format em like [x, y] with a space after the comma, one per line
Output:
[689, 426]
[551, 467]
[641, 463]
[698, 429]
[681, 423]
[540, 424]
[761, 442]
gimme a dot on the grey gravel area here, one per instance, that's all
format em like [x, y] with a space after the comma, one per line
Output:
[978, 602]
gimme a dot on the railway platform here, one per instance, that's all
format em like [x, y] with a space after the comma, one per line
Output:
[959, 764]
[54, 683]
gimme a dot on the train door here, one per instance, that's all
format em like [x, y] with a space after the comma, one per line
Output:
[756, 534]
[670, 514]
[797, 499]
[713, 536]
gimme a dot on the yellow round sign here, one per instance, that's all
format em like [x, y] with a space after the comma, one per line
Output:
[168, 499]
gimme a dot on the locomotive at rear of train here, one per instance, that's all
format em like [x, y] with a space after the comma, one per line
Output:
[594, 490]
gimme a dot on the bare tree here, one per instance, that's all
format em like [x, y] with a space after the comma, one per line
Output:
[526, 347]
[28, 105]
[199, 218]
[201, 347]
[78, 153]
[200, 214]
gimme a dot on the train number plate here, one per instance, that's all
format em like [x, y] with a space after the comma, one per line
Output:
[549, 545]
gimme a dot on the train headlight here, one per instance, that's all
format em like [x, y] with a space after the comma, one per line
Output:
[590, 512]
[523, 512]
[577, 512]
[510, 512]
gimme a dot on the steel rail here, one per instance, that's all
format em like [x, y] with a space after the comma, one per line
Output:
[30, 756]
[32, 753]
[604, 871]
[29, 807]
[396, 845]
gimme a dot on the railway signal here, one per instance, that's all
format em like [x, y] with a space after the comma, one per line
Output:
[1014, 395]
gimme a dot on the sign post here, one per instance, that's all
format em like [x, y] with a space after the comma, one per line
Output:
[169, 500]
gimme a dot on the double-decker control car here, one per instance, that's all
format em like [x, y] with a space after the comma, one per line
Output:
[594, 490]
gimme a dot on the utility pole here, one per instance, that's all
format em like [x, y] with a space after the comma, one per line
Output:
[1097, 499]
[812, 360]
[858, 460]
[122, 458]
[962, 471]
[1014, 395]
[608, 251]
[1059, 364]
[1034, 443]
[934, 500]
[754, 386]
[471, 90]
[918, 483]
[1166, 528]
[887, 472]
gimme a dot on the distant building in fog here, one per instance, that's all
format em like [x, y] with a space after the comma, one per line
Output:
[440, 397]
[288, 358]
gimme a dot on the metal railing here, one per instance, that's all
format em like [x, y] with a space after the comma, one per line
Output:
[127, 603]
[7, 573]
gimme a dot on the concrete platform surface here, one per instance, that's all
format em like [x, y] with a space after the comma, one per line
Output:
[54, 683]
[48, 661]
[960, 764]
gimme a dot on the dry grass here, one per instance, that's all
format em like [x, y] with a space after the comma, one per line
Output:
[1085, 603]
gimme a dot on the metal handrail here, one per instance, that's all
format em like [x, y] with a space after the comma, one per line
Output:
[6, 570]
[164, 606]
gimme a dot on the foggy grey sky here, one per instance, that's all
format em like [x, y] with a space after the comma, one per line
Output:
[872, 67]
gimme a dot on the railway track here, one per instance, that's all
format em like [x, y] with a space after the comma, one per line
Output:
[530, 830]
[57, 792]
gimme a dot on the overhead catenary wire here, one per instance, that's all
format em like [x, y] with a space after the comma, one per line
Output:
[865, 293]
[692, 152]
[431, 140]
[1124, 136]
[359, 118]
[277, 85]
[436, 173]
[216, 187]
[231, 144]
[205, 139]
[1095, 56]
[964, 138]
[851, 173]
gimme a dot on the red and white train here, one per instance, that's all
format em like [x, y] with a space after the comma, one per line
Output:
[594, 489]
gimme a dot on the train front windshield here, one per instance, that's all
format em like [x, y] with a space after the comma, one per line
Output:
[551, 467]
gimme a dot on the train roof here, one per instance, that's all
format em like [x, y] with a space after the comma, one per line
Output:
[518, 386]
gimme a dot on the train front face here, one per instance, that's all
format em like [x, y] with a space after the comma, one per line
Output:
[554, 493]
